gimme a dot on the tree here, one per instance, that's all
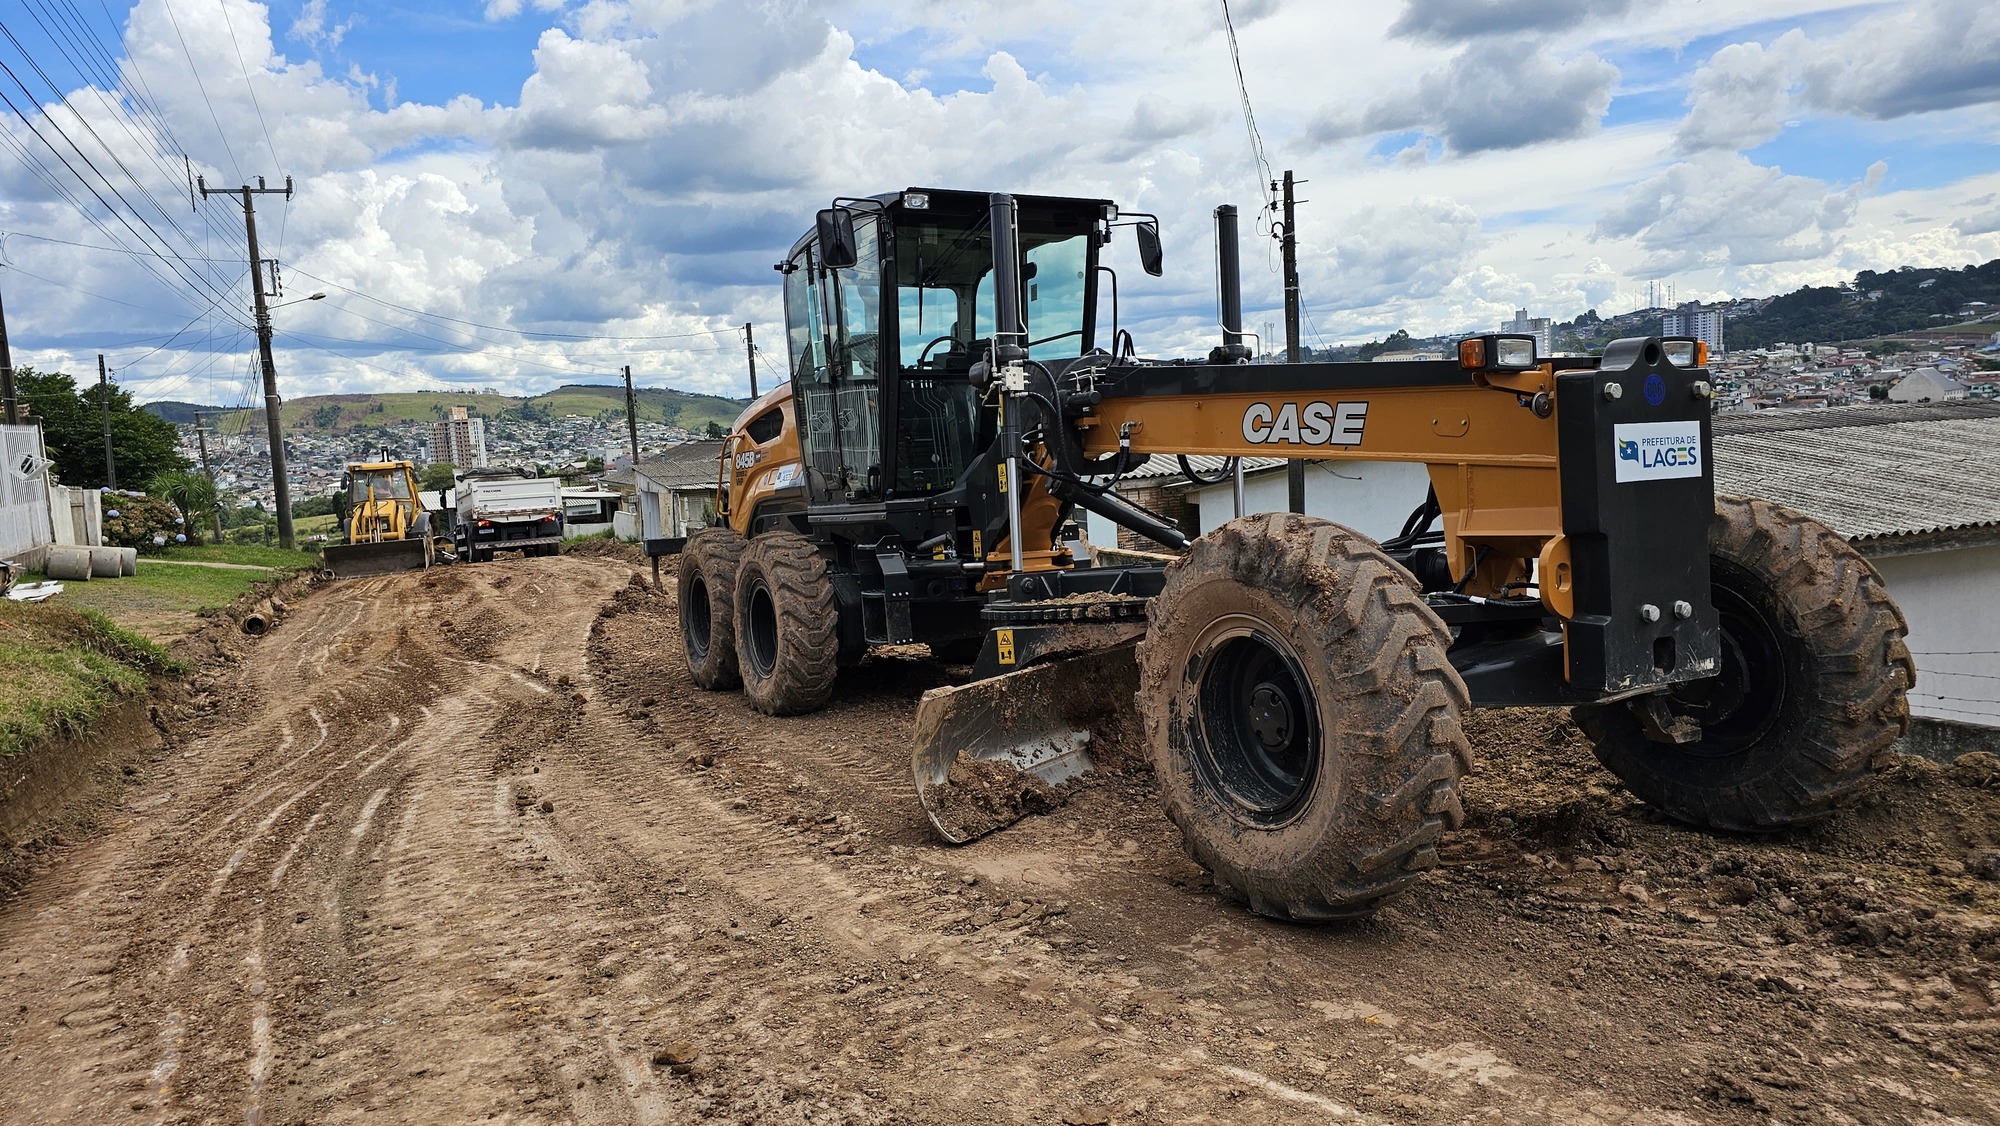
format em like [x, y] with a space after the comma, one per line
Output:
[325, 416]
[1397, 341]
[73, 428]
[437, 475]
[715, 430]
[325, 504]
[192, 493]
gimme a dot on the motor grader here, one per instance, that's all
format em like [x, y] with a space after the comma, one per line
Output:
[961, 389]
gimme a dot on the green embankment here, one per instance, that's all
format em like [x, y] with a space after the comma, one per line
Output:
[61, 666]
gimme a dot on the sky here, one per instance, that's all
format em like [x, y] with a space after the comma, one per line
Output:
[523, 193]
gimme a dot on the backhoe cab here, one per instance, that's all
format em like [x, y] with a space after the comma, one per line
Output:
[385, 525]
[961, 388]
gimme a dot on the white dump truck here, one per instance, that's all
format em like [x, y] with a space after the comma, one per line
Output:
[506, 510]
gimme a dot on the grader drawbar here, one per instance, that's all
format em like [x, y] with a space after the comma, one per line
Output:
[1296, 686]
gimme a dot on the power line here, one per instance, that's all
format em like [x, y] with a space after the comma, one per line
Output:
[250, 86]
[1249, 115]
[198, 85]
[94, 246]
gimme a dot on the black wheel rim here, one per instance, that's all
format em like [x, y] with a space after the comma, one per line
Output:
[695, 622]
[763, 627]
[1740, 705]
[1256, 724]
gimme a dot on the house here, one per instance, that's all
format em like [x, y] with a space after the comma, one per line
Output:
[676, 490]
[1926, 385]
[1917, 490]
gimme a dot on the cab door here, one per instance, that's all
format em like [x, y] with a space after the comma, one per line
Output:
[833, 320]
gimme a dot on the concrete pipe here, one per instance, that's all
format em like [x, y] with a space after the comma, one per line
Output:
[259, 621]
[128, 561]
[106, 563]
[70, 564]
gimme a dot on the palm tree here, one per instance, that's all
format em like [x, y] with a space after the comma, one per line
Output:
[192, 493]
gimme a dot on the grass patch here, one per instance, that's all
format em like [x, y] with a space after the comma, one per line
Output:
[162, 601]
[251, 555]
[61, 666]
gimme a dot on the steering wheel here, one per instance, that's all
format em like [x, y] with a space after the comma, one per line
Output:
[924, 357]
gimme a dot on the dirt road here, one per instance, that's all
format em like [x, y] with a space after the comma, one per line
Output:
[470, 847]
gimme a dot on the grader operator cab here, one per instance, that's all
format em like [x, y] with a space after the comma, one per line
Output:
[961, 388]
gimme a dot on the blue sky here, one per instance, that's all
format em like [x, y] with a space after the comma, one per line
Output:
[624, 171]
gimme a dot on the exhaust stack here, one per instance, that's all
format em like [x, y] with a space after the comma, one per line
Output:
[1229, 289]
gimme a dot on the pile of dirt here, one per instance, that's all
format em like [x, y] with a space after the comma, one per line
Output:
[980, 796]
[605, 547]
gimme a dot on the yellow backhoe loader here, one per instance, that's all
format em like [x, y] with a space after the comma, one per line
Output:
[387, 528]
[961, 389]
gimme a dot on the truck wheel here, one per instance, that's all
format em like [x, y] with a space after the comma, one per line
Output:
[1301, 717]
[1812, 691]
[787, 629]
[706, 583]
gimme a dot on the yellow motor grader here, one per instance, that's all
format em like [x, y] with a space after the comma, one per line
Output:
[961, 390]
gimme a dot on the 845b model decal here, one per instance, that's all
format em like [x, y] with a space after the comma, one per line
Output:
[1314, 424]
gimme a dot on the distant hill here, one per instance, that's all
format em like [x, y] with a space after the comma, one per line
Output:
[1879, 304]
[343, 414]
[179, 412]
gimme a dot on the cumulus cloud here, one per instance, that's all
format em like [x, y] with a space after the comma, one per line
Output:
[1925, 57]
[1983, 223]
[1453, 20]
[1722, 209]
[1473, 105]
[1740, 97]
[1399, 255]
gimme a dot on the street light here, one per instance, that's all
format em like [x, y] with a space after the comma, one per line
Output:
[295, 301]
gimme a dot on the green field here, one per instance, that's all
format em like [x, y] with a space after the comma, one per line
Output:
[164, 600]
[249, 554]
[342, 413]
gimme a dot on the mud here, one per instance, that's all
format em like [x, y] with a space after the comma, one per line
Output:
[554, 883]
[981, 796]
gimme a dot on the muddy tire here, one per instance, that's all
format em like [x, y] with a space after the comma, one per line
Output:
[1813, 688]
[705, 581]
[787, 627]
[1301, 717]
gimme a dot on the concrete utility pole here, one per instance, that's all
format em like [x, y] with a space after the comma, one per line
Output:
[1288, 245]
[280, 485]
[104, 391]
[631, 416]
[13, 406]
[201, 440]
[750, 346]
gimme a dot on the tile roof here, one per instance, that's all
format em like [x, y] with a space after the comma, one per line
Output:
[1869, 472]
[686, 466]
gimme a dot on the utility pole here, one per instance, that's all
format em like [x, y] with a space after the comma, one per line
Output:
[201, 440]
[104, 394]
[631, 415]
[13, 406]
[1288, 245]
[280, 485]
[750, 347]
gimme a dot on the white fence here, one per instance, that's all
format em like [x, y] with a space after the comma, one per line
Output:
[24, 495]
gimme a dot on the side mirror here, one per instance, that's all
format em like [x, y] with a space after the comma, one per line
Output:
[837, 248]
[1148, 235]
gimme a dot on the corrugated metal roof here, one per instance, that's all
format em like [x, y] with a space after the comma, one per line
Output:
[1165, 465]
[1870, 471]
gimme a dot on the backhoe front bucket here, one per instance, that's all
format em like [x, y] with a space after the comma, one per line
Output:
[385, 557]
[990, 752]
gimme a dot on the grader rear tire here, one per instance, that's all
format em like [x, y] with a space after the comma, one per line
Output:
[787, 627]
[1812, 692]
[706, 585]
[1301, 717]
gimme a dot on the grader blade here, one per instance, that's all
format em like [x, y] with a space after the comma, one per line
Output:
[993, 751]
[387, 557]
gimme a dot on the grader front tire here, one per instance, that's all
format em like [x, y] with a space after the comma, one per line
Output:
[1812, 692]
[706, 584]
[787, 626]
[1302, 718]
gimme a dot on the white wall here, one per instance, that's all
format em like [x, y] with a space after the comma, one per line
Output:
[1371, 497]
[24, 501]
[1952, 601]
